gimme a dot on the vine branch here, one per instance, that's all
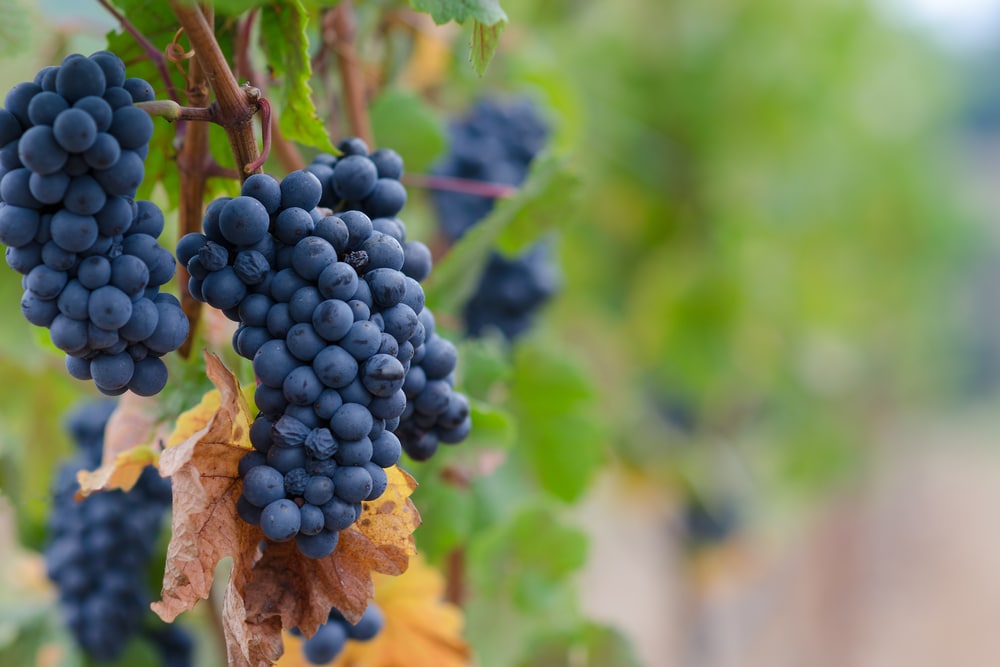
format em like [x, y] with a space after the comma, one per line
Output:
[237, 105]
[159, 61]
[464, 185]
[193, 162]
[272, 139]
[173, 112]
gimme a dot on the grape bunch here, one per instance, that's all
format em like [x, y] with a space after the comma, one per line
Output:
[331, 637]
[359, 181]
[98, 549]
[496, 143]
[72, 147]
[510, 292]
[331, 312]
[174, 644]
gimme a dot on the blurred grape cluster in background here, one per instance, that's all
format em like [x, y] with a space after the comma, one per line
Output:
[760, 391]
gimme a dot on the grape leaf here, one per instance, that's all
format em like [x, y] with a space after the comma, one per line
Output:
[286, 46]
[407, 123]
[271, 586]
[488, 20]
[286, 589]
[135, 436]
[201, 459]
[485, 39]
[590, 645]
[442, 11]
[421, 629]
[557, 411]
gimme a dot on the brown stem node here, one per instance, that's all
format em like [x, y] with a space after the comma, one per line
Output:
[236, 105]
[265, 132]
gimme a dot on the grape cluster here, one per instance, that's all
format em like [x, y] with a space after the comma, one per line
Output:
[331, 637]
[712, 523]
[434, 413]
[331, 312]
[510, 292]
[496, 143]
[71, 158]
[359, 181]
[174, 644]
[98, 549]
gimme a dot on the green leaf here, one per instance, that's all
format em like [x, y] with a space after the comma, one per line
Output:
[286, 46]
[491, 426]
[589, 645]
[406, 122]
[484, 364]
[559, 419]
[488, 20]
[16, 30]
[442, 11]
[452, 514]
[157, 22]
[534, 210]
[535, 550]
[236, 7]
[485, 39]
[553, 206]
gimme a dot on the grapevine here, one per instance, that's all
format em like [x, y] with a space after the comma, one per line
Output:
[396, 356]
[296, 474]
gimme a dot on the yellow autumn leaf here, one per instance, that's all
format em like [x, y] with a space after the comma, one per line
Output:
[421, 628]
[121, 473]
[134, 438]
[196, 418]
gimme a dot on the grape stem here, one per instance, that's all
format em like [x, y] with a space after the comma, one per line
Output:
[455, 591]
[463, 185]
[173, 112]
[193, 163]
[159, 60]
[285, 151]
[339, 28]
[455, 565]
[265, 136]
[237, 105]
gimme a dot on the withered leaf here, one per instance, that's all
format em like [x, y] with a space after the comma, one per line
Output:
[278, 587]
[201, 460]
[421, 628]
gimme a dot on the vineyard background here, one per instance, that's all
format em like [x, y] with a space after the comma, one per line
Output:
[756, 424]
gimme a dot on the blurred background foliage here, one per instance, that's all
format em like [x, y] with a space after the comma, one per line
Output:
[764, 258]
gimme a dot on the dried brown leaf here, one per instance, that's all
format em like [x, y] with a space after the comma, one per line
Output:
[279, 588]
[421, 628]
[201, 460]
[285, 589]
